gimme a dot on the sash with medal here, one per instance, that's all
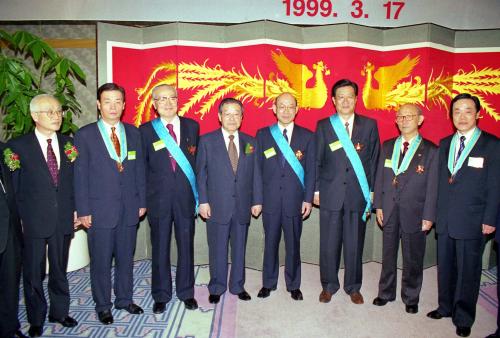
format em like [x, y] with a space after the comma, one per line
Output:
[287, 152]
[178, 156]
[109, 145]
[455, 167]
[353, 157]
[396, 153]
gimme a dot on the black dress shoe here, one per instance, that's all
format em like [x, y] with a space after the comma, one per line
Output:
[213, 299]
[19, 334]
[159, 307]
[105, 317]
[191, 304]
[35, 331]
[379, 301]
[296, 294]
[66, 321]
[412, 309]
[435, 315]
[463, 331]
[132, 308]
[243, 295]
[264, 292]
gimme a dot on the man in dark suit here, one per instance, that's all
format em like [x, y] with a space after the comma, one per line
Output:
[496, 334]
[288, 189]
[170, 196]
[110, 198]
[405, 199]
[468, 201]
[44, 192]
[347, 147]
[10, 251]
[230, 189]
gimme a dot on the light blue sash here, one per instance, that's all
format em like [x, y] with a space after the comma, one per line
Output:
[287, 152]
[451, 155]
[396, 153]
[109, 145]
[178, 156]
[353, 157]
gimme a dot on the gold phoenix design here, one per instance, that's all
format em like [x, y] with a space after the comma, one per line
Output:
[385, 88]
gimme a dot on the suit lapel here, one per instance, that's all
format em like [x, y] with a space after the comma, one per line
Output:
[102, 150]
[221, 144]
[417, 159]
[242, 155]
[356, 128]
[39, 158]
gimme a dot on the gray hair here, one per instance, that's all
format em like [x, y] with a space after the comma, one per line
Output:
[37, 100]
[158, 87]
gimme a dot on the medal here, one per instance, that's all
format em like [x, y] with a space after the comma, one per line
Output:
[450, 180]
[120, 166]
[358, 146]
[395, 181]
[420, 169]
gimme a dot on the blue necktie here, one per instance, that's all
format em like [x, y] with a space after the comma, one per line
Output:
[283, 160]
[460, 149]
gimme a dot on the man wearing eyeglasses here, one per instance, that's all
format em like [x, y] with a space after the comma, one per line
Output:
[347, 147]
[170, 143]
[468, 202]
[43, 183]
[405, 200]
[287, 162]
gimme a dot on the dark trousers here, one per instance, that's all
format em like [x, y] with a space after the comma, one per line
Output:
[498, 286]
[459, 277]
[104, 244]
[219, 236]
[34, 267]
[292, 230]
[341, 229]
[413, 249]
[161, 234]
[10, 273]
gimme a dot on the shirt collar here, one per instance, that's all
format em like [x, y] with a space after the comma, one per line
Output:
[467, 134]
[43, 137]
[350, 120]
[176, 121]
[289, 128]
[226, 134]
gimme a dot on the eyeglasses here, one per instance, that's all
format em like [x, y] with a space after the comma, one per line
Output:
[286, 108]
[165, 99]
[52, 113]
[405, 118]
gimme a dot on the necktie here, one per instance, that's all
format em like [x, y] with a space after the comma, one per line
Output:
[170, 128]
[283, 160]
[347, 129]
[116, 145]
[460, 149]
[403, 153]
[233, 153]
[52, 162]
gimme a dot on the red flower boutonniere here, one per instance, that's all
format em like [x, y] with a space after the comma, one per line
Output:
[299, 155]
[192, 150]
[70, 151]
[420, 169]
[249, 149]
[11, 159]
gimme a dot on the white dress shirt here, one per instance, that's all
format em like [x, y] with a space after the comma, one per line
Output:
[467, 135]
[350, 120]
[236, 140]
[176, 122]
[403, 140]
[42, 140]
[108, 130]
[289, 130]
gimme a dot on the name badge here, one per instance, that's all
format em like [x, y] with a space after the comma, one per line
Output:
[131, 155]
[476, 162]
[158, 145]
[388, 163]
[270, 152]
[335, 145]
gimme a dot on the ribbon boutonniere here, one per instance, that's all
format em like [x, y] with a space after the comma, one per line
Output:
[420, 169]
[11, 159]
[299, 155]
[192, 149]
[358, 146]
[249, 149]
[70, 151]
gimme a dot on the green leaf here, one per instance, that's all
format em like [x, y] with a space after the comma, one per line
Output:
[77, 71]
[36, 51]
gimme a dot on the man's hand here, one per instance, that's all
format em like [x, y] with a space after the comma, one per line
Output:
[86, 221]
[380, 217]
[316, 199]
[488, 229]
[142, 211]
[76, 221]
[204, 210]
[306, 209]
[426, 225]
[256, 210]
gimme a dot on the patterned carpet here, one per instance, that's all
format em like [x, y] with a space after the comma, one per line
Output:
[176, 322]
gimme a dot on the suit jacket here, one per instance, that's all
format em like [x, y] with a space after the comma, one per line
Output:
[335, 178]
[416, 191]
[100, 189]
[282, 189]
[228, 194]
[472, 199]
[163, 185]
[43, 208]
[9, 219]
